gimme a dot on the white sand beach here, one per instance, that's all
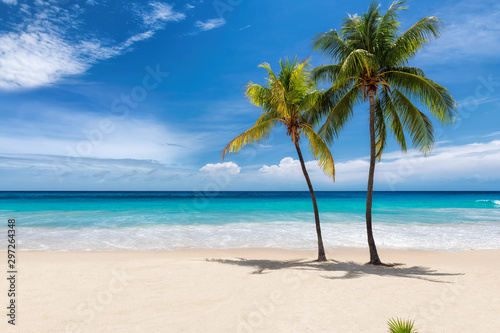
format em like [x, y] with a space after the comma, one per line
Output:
[254, 290]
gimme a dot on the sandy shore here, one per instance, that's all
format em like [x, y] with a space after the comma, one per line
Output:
[253, 290]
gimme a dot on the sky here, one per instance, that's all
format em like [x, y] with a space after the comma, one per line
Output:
[123, 95]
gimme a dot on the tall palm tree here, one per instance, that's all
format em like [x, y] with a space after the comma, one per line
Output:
[288, 99]
[371, 61]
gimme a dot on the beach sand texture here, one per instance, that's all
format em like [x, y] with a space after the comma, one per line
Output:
[254, 290]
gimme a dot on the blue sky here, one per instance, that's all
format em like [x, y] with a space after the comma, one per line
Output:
[123, 95]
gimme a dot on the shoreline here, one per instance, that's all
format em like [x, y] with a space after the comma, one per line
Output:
[254, 290]
[311, 251]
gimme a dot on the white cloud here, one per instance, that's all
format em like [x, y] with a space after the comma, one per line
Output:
[229, 168]
[36, 58]
[91, 136]
[161, 13]
[288, 167]
[493, 134]
[245, 27]
[210, 24]
[472, 28]
[10, 2]
[477, 161]
[48, 45]
[188, 6]
[55, 171]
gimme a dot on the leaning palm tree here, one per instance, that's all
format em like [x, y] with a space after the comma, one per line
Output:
[288, 99]
[371, 61]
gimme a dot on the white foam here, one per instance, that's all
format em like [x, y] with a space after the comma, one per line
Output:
[494, 202]
[292, 235]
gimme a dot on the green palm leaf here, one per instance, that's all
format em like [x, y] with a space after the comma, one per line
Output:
[417, 124]
[430, 94]
[319, 150]
[406, 46]
[339, 102]
[256, 134]
[397, 325]
[392, 116]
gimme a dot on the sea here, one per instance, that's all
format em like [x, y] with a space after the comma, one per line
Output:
[147, 221]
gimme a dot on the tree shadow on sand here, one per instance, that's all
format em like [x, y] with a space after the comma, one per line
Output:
[347, 270]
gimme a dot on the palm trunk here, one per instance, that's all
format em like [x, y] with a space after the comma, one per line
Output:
[321, 249]
[374, 258]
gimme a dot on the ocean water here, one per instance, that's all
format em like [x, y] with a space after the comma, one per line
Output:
[82, 221]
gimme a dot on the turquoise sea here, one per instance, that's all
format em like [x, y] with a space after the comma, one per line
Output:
[63, 221]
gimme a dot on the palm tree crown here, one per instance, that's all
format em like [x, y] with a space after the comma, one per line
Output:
[288, 99]
[371, 56]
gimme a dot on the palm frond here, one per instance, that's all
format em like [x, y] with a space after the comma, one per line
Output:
[352, 32]
[256, 134]
[359, 61]
[338, 103]
[331, 44]
[270, 72]
[259, 96]
[388, 26]
[406, 46]
[319, 150]
[325, 73]
[430, 94]
[380, 129]
[268, 115]
[310, 103]
[416, 123]
[369, 26]
[392, 116]
[397, 325]
[404, 69]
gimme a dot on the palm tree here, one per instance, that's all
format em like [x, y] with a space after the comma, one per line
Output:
[288, 99]
[371, 61]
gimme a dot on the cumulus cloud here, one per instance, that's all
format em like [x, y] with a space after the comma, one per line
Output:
[229, 168]
[477, 161]
[288, 167]
[210, 24]
[10, 2]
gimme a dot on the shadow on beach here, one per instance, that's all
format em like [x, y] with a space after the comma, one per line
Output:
[349, 269]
